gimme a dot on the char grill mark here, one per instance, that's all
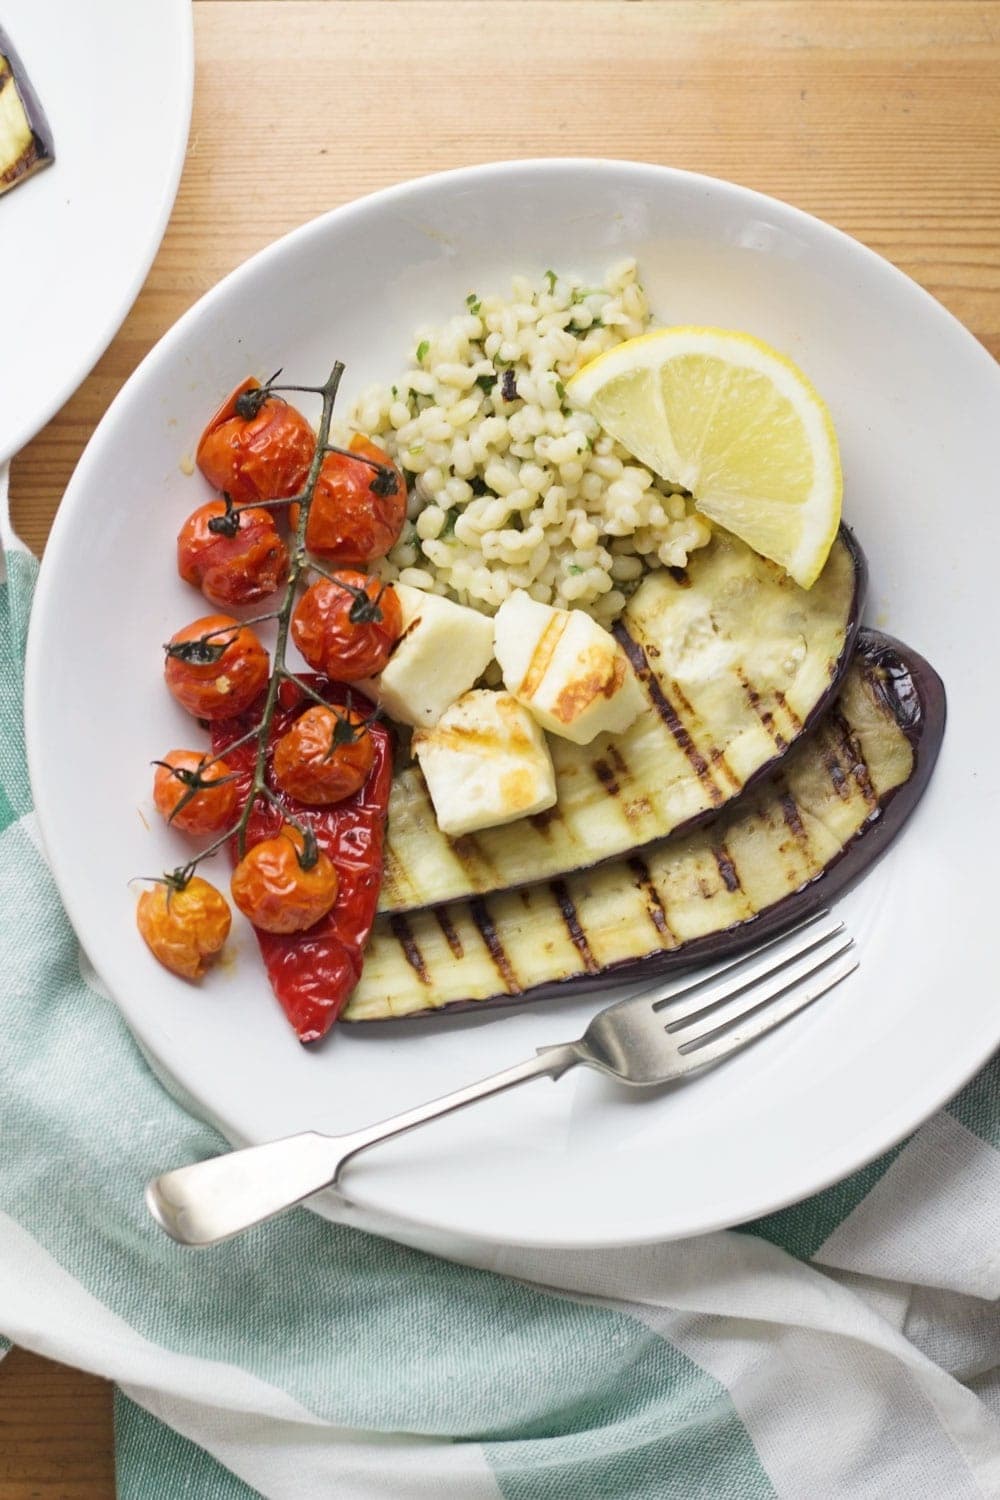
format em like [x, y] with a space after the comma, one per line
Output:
[637, 656]
[487, 931]
[404, 936]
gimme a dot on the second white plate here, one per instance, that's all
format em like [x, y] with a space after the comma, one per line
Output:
[77, 239]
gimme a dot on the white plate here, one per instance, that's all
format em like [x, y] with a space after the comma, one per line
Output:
[76, 240]
[914, 398]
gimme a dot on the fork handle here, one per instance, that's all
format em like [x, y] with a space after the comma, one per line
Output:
[210, 1200]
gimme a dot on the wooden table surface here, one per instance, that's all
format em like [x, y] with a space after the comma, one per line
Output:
[877, 115]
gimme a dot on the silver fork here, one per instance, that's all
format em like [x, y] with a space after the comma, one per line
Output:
[667, 1033]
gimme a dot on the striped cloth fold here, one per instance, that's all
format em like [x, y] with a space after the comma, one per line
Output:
[847, 1347]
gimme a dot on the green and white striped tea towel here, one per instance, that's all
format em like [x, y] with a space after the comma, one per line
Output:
[845, 1348]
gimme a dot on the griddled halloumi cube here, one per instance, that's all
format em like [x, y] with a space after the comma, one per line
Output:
[444, 647]
[568, 670]
[485, 762]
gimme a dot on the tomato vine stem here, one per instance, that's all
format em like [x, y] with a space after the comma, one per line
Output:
[305, 689]
[299, 562]
[364, 608]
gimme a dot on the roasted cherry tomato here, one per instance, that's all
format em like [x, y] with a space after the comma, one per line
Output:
[186, 928]
[325, 756]
[216, 667]
[314, 972]
[256, 447]
[284, 884]
[193, 793]
[233, 556]
[348, 627]
[357, 511]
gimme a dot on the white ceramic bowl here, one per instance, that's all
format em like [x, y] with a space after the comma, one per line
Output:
[914, 398]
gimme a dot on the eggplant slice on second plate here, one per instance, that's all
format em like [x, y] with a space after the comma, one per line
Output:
[736, 661]
[814, 826]
[25, 137]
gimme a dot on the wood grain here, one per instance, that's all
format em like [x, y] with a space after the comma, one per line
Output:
[879, 117]
[55, 1431]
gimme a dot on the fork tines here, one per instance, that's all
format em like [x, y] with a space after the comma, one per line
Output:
[760, 989]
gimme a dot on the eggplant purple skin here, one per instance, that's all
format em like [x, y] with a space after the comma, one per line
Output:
[37, 118]
[915, 695]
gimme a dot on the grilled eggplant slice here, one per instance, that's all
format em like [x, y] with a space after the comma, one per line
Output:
[736, 661]
[25, 137]
[816, 824]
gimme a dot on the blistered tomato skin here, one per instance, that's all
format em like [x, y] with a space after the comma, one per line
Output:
[216, 667]
[274, 891]
[264, 456]
[234, 557]
[186, 929]
[347, 629]
[357, 511]
[314, 972]
[325, 756]
[184, 803]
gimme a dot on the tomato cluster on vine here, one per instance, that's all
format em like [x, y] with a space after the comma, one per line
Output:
[293, 514]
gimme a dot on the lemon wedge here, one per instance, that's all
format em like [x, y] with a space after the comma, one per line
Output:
[734, 422]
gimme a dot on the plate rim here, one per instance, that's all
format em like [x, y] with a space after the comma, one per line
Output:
[903, 1119]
